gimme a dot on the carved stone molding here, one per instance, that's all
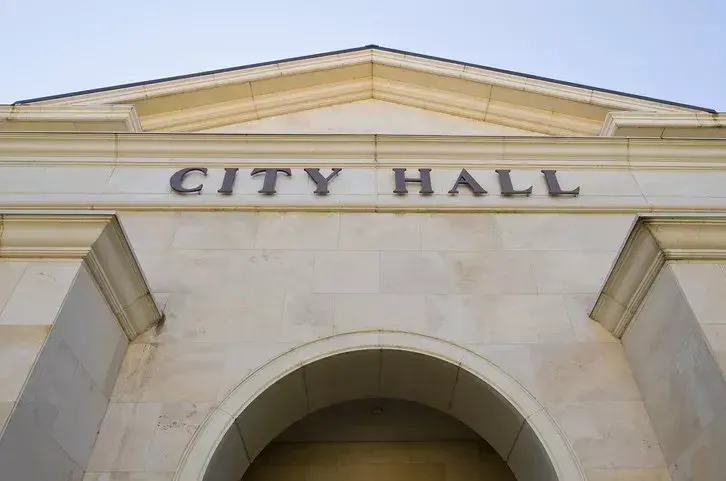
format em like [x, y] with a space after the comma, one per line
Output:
[654, 240]
[99, 240]
[88, 118]
[661, 125]
[165, 149]
[213, 99]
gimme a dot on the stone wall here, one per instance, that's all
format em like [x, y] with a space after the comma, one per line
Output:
[673, 346]
[240, 288]
[51, 432]
[31, 294]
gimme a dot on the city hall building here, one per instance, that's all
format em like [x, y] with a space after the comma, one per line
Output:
[367, 264]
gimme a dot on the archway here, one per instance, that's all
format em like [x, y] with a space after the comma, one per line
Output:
[392, 365]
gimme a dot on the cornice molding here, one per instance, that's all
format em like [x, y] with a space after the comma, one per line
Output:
[253, 108]
[216, 99]
[654, 240]
[374, 56]
[325, 95]
[629, 123]
[371, 207]
[121, 118]
[100, 242]
[160, 149]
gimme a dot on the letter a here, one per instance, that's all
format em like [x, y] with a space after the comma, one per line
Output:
[467, 180]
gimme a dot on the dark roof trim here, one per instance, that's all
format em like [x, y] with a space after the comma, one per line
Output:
[358, 49]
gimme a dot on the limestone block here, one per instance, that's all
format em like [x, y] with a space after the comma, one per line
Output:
[524, 318]
[401, 378]
[346, 272]
[19, 347]
[202, 270]
[79, 417]
[10, 274]
[49, 387]
[486, 412]
[5, 408]
[172, 372]
[582, 372]
[455, 272]
[224, 316]
[498, 318]
[380, 231]
[125, 437]
[513, 358]
[716, 337]
[570, 272]
[586, 330]
[276, 271]
[86, 315]
[563, 232]
[329, 381]
[356, 312]
[307, 316]
[680, 380]
[703, 284]
[275, 409]
[215, 230]
[241, 358]
[28, 452]
[612, 434]
[459, 232]
[229, 460]
[703, 459]
[175, 427]
[149, 230]
[527, 458]
[297, 231]
[44, 280]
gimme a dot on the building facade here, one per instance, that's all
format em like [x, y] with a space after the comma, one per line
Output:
[365, 264]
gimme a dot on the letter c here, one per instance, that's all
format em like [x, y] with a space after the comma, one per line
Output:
[177, 180]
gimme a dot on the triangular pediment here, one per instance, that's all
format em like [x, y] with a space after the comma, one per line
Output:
[310, 91]
[369, 117]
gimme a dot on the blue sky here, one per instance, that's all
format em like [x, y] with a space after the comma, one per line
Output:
[668, 49]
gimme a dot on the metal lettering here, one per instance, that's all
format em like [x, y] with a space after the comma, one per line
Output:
[467, 180]
[424, 180]
[505, 182]
[321, 183]
[177, 180]
[553, 186]
[268, 185]
[230, 174]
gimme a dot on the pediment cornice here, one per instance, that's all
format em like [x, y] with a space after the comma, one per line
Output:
[210, 100]
[54, 118]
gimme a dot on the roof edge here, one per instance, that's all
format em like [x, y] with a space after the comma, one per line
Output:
[359, 49]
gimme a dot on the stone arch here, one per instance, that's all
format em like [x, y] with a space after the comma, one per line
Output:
[420, 369]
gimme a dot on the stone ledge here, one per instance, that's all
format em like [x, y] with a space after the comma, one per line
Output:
[654, 240]
[671, 124]
[89, 118]
[99, 240]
